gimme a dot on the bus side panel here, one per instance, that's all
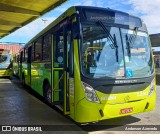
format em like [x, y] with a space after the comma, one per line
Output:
[45, 73]
[28, 75]
[24, 70]
[78, 90]
[39, 72]
[34, 73]
[36, 80]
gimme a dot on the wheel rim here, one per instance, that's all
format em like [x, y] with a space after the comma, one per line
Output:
[49, 95]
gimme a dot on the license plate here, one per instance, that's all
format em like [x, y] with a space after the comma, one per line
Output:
[126, 110]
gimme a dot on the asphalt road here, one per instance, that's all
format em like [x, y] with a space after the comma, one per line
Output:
[21, 106]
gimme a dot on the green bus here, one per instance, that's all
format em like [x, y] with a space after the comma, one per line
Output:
[16, 66]
[93, 64]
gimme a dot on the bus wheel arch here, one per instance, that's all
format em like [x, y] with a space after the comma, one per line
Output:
[47, 90]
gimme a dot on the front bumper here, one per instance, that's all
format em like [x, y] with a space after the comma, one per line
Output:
[7, 72]
[90, 112]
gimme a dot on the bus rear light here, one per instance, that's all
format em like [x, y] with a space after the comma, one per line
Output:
[90, 93]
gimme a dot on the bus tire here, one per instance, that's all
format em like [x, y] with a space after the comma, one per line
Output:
[47, 94]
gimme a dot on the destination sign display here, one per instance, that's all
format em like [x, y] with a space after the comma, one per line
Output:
[115, 17]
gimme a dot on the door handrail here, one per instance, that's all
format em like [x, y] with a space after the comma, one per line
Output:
[58, 82]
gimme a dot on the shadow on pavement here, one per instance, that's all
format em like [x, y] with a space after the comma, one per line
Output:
[115, 124]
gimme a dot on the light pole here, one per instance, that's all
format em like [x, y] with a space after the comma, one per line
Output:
[45, 22]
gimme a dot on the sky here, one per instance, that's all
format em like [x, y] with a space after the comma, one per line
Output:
[147, 10]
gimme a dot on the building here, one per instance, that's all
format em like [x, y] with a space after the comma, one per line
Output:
[14, 48]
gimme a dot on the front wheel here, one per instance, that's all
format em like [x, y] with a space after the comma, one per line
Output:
[48, 93]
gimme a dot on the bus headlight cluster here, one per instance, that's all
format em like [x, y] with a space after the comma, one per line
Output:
[151, 87]
[90, 93]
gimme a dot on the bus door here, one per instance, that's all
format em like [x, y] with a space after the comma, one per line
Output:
[29, 64]
[60, 76]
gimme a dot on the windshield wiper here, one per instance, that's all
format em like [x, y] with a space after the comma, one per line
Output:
[116, 46]
[112, 39]
[128, 47]
[132, 38]
[130, 41]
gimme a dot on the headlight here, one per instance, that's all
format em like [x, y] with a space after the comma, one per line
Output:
[90, 93]
[151, 87]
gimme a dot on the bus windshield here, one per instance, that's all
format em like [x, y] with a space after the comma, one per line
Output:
[100, 58]
[137, 53]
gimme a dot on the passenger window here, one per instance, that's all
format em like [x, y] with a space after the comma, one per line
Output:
[47, 45]
[59, 49]
[38, 50]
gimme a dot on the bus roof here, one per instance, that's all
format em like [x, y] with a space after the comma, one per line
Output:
[71, 11]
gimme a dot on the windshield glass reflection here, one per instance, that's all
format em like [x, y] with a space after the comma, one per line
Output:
[100, 57]
[137, 54]
[104, 56]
